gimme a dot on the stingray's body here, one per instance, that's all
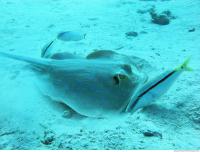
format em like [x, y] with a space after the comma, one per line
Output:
[98, 85]
[89, 86]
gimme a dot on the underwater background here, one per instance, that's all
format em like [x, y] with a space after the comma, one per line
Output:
[163, 32]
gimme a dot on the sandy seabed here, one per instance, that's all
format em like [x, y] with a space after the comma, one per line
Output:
[28, 121]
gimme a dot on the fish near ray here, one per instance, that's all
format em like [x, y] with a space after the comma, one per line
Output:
[156, 87]
[71, 36]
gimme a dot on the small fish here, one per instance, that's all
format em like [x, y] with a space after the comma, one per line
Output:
[46, 49]
[156, 88]
[71, 36]
[62, 36]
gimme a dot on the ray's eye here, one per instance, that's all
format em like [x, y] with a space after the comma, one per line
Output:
[118, 78]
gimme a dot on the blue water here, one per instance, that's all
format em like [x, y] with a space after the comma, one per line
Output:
[138, 46]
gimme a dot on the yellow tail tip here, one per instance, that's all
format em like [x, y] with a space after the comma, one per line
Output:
[184, 66]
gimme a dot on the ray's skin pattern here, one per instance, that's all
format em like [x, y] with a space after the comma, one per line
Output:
[98, 85]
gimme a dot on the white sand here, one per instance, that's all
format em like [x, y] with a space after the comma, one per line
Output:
[27, 119]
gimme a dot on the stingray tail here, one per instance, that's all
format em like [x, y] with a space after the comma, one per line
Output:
[40, 63]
